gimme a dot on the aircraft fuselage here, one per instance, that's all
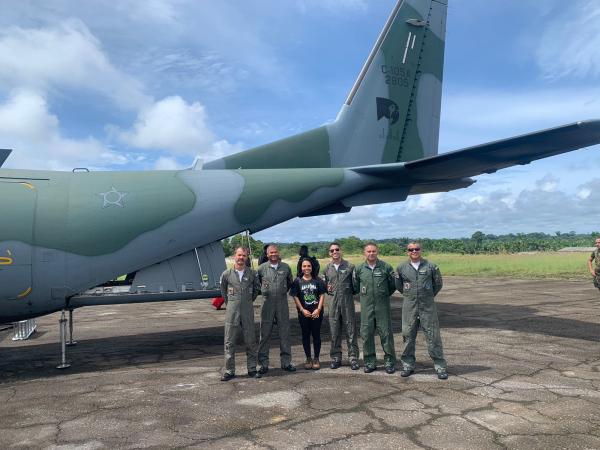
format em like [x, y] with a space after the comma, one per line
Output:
[63, 233]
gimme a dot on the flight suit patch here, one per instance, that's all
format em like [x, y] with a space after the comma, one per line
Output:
[230, 291]
[407, 286]
[363, 289]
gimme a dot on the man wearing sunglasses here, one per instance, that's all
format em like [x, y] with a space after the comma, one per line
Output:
[338, 276]
[419, 281]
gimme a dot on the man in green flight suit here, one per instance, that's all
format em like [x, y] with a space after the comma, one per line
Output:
[374, 281]
[239, 288]
[275, 278]
[594, 264]
[420, 281]
[338, 277]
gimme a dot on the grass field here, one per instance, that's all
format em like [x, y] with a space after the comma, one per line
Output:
[536, 265]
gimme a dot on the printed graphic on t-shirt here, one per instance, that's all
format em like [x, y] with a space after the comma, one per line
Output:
[309, 292]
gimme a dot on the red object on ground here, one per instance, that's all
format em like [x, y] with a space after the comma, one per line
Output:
[218, 302]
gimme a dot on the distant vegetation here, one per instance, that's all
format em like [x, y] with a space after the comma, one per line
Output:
[515, 265]
[478, 243]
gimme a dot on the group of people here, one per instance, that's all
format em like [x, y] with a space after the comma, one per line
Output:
[374, 281]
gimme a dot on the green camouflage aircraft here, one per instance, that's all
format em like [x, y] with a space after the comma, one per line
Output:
[64, 235]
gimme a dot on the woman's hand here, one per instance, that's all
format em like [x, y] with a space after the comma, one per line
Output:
[316, 313]
[307, 313]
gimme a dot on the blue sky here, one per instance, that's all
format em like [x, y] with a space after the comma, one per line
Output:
[140, 85]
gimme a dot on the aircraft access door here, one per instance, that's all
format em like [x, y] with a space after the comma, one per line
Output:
[17, 208]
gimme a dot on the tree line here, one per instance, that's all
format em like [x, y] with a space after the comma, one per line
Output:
[478, 243]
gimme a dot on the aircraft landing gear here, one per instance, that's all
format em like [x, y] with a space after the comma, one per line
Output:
[71, 341]
[62, 323]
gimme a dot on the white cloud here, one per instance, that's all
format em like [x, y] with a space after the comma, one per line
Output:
[64, 56]
[170, 124]
[164, 163]
[569, 47]
[27, 126]
[174, 125]
[548, 183]
[584, 193]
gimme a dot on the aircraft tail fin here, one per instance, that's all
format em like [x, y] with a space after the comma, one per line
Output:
[4, 154]
[392, 113]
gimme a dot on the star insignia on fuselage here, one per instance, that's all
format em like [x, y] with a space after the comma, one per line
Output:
[113, 198]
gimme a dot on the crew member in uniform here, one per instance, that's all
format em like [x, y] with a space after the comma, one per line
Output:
[594, 264]
[420, 281]
[338, 278]
[275, 279]
[374, 281]
[239, 289]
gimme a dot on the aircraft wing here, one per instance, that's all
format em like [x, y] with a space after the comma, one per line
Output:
[490, 157]
[3, 155]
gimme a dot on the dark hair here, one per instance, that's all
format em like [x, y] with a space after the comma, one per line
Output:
[369, 244]
[334, 243]
[306, 259]
[241, 247]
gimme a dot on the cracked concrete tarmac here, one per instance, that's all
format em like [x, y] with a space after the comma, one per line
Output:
[523, 355]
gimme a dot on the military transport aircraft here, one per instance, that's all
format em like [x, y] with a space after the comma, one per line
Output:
[64, 235]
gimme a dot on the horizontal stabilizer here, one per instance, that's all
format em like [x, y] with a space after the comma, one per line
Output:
[4, 153]
[490, 157]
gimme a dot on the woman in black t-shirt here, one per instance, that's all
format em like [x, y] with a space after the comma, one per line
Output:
[308, 293]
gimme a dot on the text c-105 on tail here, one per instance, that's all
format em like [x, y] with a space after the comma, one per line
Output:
[395, 75]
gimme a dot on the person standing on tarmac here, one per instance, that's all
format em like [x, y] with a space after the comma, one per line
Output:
[374, 281]
[309, 294]
[419, 281]
[303, 252]
[338, 277]
[275, 278]
[263, 258]
[239, 289]
[594, 264]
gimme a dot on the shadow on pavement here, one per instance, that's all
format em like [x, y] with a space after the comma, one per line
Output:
[91, 355]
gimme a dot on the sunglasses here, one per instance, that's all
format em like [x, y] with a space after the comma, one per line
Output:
[413, 250]
[333, 250]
